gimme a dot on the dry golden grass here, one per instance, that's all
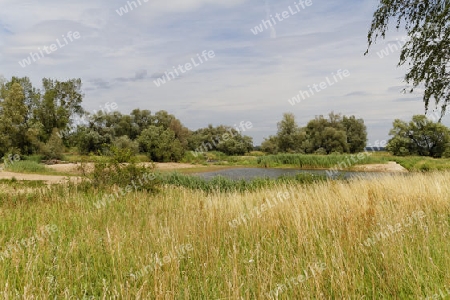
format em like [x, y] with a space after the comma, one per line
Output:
[95, 251]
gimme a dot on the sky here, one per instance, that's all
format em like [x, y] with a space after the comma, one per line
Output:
[120, 48]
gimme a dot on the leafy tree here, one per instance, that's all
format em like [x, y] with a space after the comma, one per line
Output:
[221, 138]
[288, 135]
[60, 101]
[181, 132]
[420, 136]
[321, 136]
[427, 52]
[270, 145]
[141, 119]
[160, 144]
[329, 135]
[356, 133]
[13, 113]
[162, 119]
[88, 140]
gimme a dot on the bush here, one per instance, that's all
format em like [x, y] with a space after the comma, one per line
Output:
[320, 151]
[122, 155]
[130, 175]
[124, 142]
[54, 148]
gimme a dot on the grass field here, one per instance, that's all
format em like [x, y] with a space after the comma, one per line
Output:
[363, 239]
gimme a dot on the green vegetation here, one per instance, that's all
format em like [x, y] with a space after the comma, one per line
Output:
[311, 161]
[28, 166]
[48, 122]
[422, 164]
[239, 246]
[337, 134]
[222, 184]
[426, 52]
[14, 183]
[421, 137]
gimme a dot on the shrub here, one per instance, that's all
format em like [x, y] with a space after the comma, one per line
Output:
[113, 173]
[54, 148]
[124, 142]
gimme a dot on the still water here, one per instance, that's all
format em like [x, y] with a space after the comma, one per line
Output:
[252, 173]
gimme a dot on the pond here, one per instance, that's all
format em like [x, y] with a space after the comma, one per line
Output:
[252, 173]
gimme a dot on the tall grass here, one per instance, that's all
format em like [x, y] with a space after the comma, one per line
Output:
[27, 166]
[223, 184]
[95, 253]
[317, 161]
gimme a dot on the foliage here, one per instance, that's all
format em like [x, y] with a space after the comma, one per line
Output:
[91, 141]
[124, 142]
[12, 118]
[112, 173]
[54, 148]
[420, 136]
[427, 52]
[356, 133]
[270, 145]
[28, 117]
[160, 144]
[221, 138]
[289, 136]
[122, 155]
[337, 134]
[313, 161]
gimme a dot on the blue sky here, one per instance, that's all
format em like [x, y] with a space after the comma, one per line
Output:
[251, 77]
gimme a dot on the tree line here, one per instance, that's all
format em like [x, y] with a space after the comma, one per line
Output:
[335, 134]
[50, 120]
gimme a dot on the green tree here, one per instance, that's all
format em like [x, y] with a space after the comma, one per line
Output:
[160, 144]
[289, 135]
[356, 133]
[321, 135]
[328, 135]
[420, 136]
[13, 112]
[141, 119]
[221, 138]
[88, 140]
[427, 52]
[270, 145]
[59, 103]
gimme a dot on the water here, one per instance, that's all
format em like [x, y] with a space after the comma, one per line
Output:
[252, 173]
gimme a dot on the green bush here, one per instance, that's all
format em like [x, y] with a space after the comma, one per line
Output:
[122, 155]
[54, 148]
[113, 173]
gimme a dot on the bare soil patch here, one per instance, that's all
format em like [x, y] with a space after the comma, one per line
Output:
[391, 166]
[50, 179]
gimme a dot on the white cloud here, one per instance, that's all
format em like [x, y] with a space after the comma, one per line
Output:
[251, 77]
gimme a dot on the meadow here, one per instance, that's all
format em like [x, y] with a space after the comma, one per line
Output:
[326, 239]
